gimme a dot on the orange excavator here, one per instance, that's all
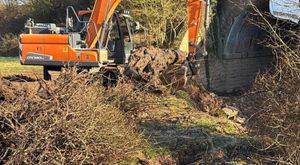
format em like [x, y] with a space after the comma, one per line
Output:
[101, 38]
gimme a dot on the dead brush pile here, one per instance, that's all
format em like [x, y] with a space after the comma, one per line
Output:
[276, 95]
[69, 121]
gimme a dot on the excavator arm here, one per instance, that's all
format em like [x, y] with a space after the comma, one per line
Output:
[196, 11]
[102, 12]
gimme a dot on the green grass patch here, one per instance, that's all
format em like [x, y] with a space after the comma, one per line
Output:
[216, 125]
[149, 153]
[12, 66]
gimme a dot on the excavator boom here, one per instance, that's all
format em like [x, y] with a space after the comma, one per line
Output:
[196, 11]
[102, 12]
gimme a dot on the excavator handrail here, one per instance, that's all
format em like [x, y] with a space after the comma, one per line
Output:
[77, 18]
[86, 23]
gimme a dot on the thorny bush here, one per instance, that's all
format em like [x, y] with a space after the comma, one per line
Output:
[277, 92]
[72, 120]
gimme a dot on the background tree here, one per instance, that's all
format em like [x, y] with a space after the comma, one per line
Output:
[163, 21]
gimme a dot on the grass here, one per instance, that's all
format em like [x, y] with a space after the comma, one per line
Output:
[179, 128]
[169, 128]
[12, 66]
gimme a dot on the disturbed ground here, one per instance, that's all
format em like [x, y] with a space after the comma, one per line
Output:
[180, 124]
[189, 126]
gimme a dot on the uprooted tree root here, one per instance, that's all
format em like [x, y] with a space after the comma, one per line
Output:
[69, 121]
[148, 64]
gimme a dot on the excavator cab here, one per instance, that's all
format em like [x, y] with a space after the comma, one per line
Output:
[91, 39]
[118, 37]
